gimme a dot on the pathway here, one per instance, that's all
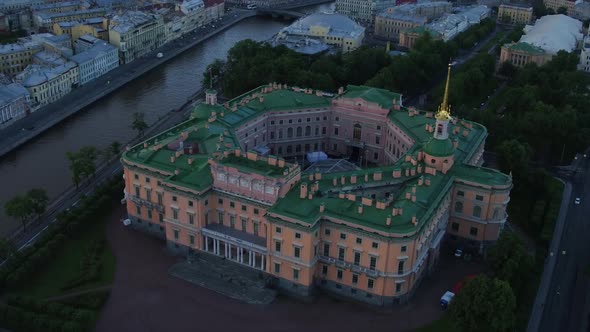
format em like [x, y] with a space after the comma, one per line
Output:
[78, 293]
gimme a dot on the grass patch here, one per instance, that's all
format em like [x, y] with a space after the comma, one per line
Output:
[442, 325]
[49, 281]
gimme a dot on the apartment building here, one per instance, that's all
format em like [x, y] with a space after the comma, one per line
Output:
[136, 34]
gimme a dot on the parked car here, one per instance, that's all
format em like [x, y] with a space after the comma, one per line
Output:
[458, 253]
[577, 201]
[446, 299]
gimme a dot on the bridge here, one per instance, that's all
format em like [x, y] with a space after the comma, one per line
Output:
[286, 10]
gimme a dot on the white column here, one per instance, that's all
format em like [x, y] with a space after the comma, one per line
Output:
[217, 246]
[225, 249]
[229, 250]
[262, 262]
[206, 243]
[241, 255]
[250, 258]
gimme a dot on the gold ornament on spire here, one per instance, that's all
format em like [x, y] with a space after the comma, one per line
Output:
[444, 110]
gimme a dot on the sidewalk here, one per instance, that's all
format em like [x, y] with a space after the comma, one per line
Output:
[538, 306]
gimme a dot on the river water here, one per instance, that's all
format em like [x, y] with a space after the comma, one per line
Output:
[42, 163]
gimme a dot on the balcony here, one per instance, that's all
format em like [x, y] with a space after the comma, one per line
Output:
[146, 203]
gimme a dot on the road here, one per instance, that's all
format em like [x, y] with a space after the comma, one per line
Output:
[560, 304]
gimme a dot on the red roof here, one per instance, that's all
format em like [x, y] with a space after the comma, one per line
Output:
[211, 3]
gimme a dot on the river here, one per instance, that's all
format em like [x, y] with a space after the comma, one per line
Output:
[42, 163]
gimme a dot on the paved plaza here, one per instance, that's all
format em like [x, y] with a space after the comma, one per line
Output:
[146, 297]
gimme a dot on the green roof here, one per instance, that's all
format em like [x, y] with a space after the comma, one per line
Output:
[374, 95]
[439, 148]
[423, 29]
[525, 47]
[252, 166]
[203, 111]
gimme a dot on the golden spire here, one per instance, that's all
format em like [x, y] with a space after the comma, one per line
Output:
[444, 110]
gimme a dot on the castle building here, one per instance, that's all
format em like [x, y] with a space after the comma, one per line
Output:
[370, 235]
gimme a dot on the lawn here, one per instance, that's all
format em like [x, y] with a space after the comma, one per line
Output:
[66, 264]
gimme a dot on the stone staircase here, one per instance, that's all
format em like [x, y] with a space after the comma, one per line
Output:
[225, 277]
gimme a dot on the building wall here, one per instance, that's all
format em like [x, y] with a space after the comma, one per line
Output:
[556, 4]
[15, 61]
[14, 110]
[522, 58]
[138, 41]
[390, 28]
[515, 15]
[52, 90]
[584, 64]
[362, 11]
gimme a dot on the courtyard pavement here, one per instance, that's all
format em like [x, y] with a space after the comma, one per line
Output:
[145, 297]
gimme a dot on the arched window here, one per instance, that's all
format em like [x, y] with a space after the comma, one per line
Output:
[299, 131]
[356, 134]
[459, 207]
[307, 131]
[477, 211]
[290, 132]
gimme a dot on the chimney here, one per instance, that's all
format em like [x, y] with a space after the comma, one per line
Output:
[281, 162]
[414, 221]
[367, 177]
[237, 152]
[316, 186]
[318, 176]
[303, 191]
[211, 97]
[334, 182]
[413, 198]
[261, 99]
[176, 172]
[394, 211]
[322, 207]
[190, 161]
[341, 194]
[145, 145]
[342, 180]
[310, 177]
[408, 195]
[388, 222]
[413, 189]
[455, 143]
[427, 182]
[351, 197]
[172, 159]
[310, 196]
[420, 181]
[360, 209]
[252, 155]
[367, 201]
[340, 90]
[377, 176]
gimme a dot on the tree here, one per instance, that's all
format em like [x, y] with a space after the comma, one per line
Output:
[38, 200]
[112, 150]
[7, 249]
[115, 147]
[484, 305]
[562, 10]
[82, 163]
[18, 207]
[139, 123]
[514, 156]
[214, 70]
[509, 260]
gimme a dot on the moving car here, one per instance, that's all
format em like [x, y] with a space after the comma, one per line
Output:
[251, 6]
[458, 253]
[577, 201]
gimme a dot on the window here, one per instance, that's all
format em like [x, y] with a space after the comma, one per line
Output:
[400, 267]
[357, 258]
[336, 131]
[324, 130]
[244, 224]
[370, 283]
[477, 211]
[378, 127]
[190, 203]
[220, 217]
[404, 249]
[297, 235]
[377, 139]
[256, 211]
[272, 135]
[138, 210]
[375, 245]
[373, 263]
[232, 221]
[478, 197]
[175, 214]
[376, 155]
[278, 229]
[355, 279]
[343, 236]
[473, 231]
[272, 123]
[455, 226]
[256, 227]
[398, 288]
[280, 121]
[175, 234]
[289, 132]
[337, 119]
[339, 274]
[278, 246]
[160, 198]
[324, 269]
[459, 207]
[244, 208]
[299, 131]
[359, 240]
[136, 177]
[220, 201]
[326, 249]
[460, 193]
[191, 218]
[232, 204]
[174, 199]
[295, 274]
[327, 231]
[137, 191]
[307, 131]
[160, 217]
[277, 268]
[335, 147]
[191, 239]
[341, 253]
[297, 252]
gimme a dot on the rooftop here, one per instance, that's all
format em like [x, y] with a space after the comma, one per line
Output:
[525, 47]
[10, 92]
[50, 16]
[131, 19]
[554, 33]
[97, 50]
[35, 75]
[338, 25]
[382, 97]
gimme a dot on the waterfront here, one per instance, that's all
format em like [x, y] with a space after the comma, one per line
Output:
[42, 163]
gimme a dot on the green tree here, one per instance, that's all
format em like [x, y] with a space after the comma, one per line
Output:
[214, 70]
[562, 10]
[82, 163]
[115, 147]
[38, 200]
[18, 207]
[139, 123]
[7, 249]
[509, 260]
[514, 156]
[484, 305]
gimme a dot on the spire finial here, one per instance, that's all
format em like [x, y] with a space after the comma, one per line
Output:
[444, 110]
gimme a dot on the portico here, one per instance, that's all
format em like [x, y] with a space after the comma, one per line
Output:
[235, 245]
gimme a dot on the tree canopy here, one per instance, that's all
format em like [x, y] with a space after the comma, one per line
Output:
[24, 207]
[82, 163]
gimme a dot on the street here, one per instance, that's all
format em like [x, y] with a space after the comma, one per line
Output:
[563, 309]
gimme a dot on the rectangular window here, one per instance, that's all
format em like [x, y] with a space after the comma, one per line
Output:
[297, 252]
[339, 274]
[359, 240]
[376, 155]
[244, 208]
[191, 218]
[336, 131]
[295, 274]
[343, 236]
[341, 253]
[278, 230]
[256, 211]
[220, 201]
[479, 197]
[220, 217]
[149, 214]
[136, 177]
[190, 203]
[400, 267]
[326, 249]
[232, 204]
[375, 245]
[175, 214]
[175, 234]
[232, 221]
[335, 147]
[137, 192]
[373, 263]
[473, 231]
[278, 246]
[138, 210]
[398, 288]
[377, 139]
[160, 217]
[160, 198]
[191, 239]
[297, 235]
[256, 227]
[324, 130]
[455, 226]
[355, 279]
[148, 194]
[277, 268]
[404, 249]
[327, 231]
[460, 193]
[244, 224]
[370, 283]
[357, 258]
[174, 199]
[324, 269]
